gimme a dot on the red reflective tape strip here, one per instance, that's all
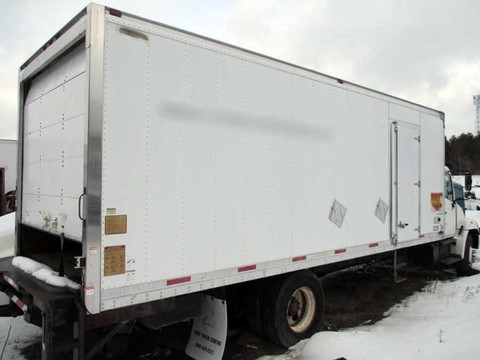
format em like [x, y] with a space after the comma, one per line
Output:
[179, 280]
[19, 303]
[11, 282]
[340, 251]
[116, 13]
[247, 268]
[421, 236]
[299, 258]
[372, 245]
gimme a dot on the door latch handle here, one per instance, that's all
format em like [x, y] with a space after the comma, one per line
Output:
[402, 225]
[80, 207]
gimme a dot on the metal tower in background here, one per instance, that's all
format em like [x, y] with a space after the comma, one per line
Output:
[476, 102]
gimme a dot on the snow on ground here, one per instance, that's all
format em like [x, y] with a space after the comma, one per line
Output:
[440, 322]
[461, 179]
[475, 183]
[15, 335]
[7, 241]
[7, 234]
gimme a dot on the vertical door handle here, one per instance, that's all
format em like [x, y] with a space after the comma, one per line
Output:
[80, 207]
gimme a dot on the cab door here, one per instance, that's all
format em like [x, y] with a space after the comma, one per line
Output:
[450, 221]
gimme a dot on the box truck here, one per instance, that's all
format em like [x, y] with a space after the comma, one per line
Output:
[165, 176]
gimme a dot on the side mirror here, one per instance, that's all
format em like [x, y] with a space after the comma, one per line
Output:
[468, 181]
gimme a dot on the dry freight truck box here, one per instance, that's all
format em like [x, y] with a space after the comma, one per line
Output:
[166, 164]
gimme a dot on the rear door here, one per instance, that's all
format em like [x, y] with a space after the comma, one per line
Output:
[53, 145]
[406, 181]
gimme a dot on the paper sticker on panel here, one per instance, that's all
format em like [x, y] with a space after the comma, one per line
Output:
[115, 224]
[114, 260]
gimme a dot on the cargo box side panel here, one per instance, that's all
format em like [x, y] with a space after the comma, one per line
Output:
[124, 161]
[54, 128]
[432, 170]
[220, 166]
[367, 162]
[188, 144]
[213, 162]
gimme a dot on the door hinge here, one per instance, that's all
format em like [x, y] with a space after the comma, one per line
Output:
[80, 262]
[394, 238]
[417, 138]
[395, 126]
[417, 184]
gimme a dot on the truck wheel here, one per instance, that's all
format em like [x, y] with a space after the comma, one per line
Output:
[464, 267]
[293, 308]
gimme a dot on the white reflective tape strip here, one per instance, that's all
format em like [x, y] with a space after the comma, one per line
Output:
[19, 303]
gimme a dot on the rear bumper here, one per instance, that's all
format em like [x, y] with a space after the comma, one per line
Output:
[35, 298]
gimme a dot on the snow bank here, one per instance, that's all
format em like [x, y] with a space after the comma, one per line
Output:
[43, 273]
[441, 322]
[7, 235]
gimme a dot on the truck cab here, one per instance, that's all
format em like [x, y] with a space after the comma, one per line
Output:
[463, 229]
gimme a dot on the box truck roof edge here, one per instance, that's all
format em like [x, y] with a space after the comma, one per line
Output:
[115, 12]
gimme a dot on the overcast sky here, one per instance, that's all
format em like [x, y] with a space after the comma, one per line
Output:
[427, 52]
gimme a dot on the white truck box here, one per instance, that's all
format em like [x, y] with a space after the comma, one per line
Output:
[195, 164]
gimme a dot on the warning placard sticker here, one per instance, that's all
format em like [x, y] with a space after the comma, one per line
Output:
[436, 199]
[114, 260]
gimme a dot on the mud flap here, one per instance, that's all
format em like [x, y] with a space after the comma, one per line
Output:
[209, 331]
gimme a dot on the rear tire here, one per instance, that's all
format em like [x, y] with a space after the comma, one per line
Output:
[292, 308]
[464, 267]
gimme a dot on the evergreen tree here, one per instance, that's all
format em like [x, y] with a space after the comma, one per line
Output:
[462, 153]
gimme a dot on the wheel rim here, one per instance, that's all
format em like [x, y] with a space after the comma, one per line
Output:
[301, 310]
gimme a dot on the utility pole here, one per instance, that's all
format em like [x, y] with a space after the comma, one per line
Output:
[476, 102]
